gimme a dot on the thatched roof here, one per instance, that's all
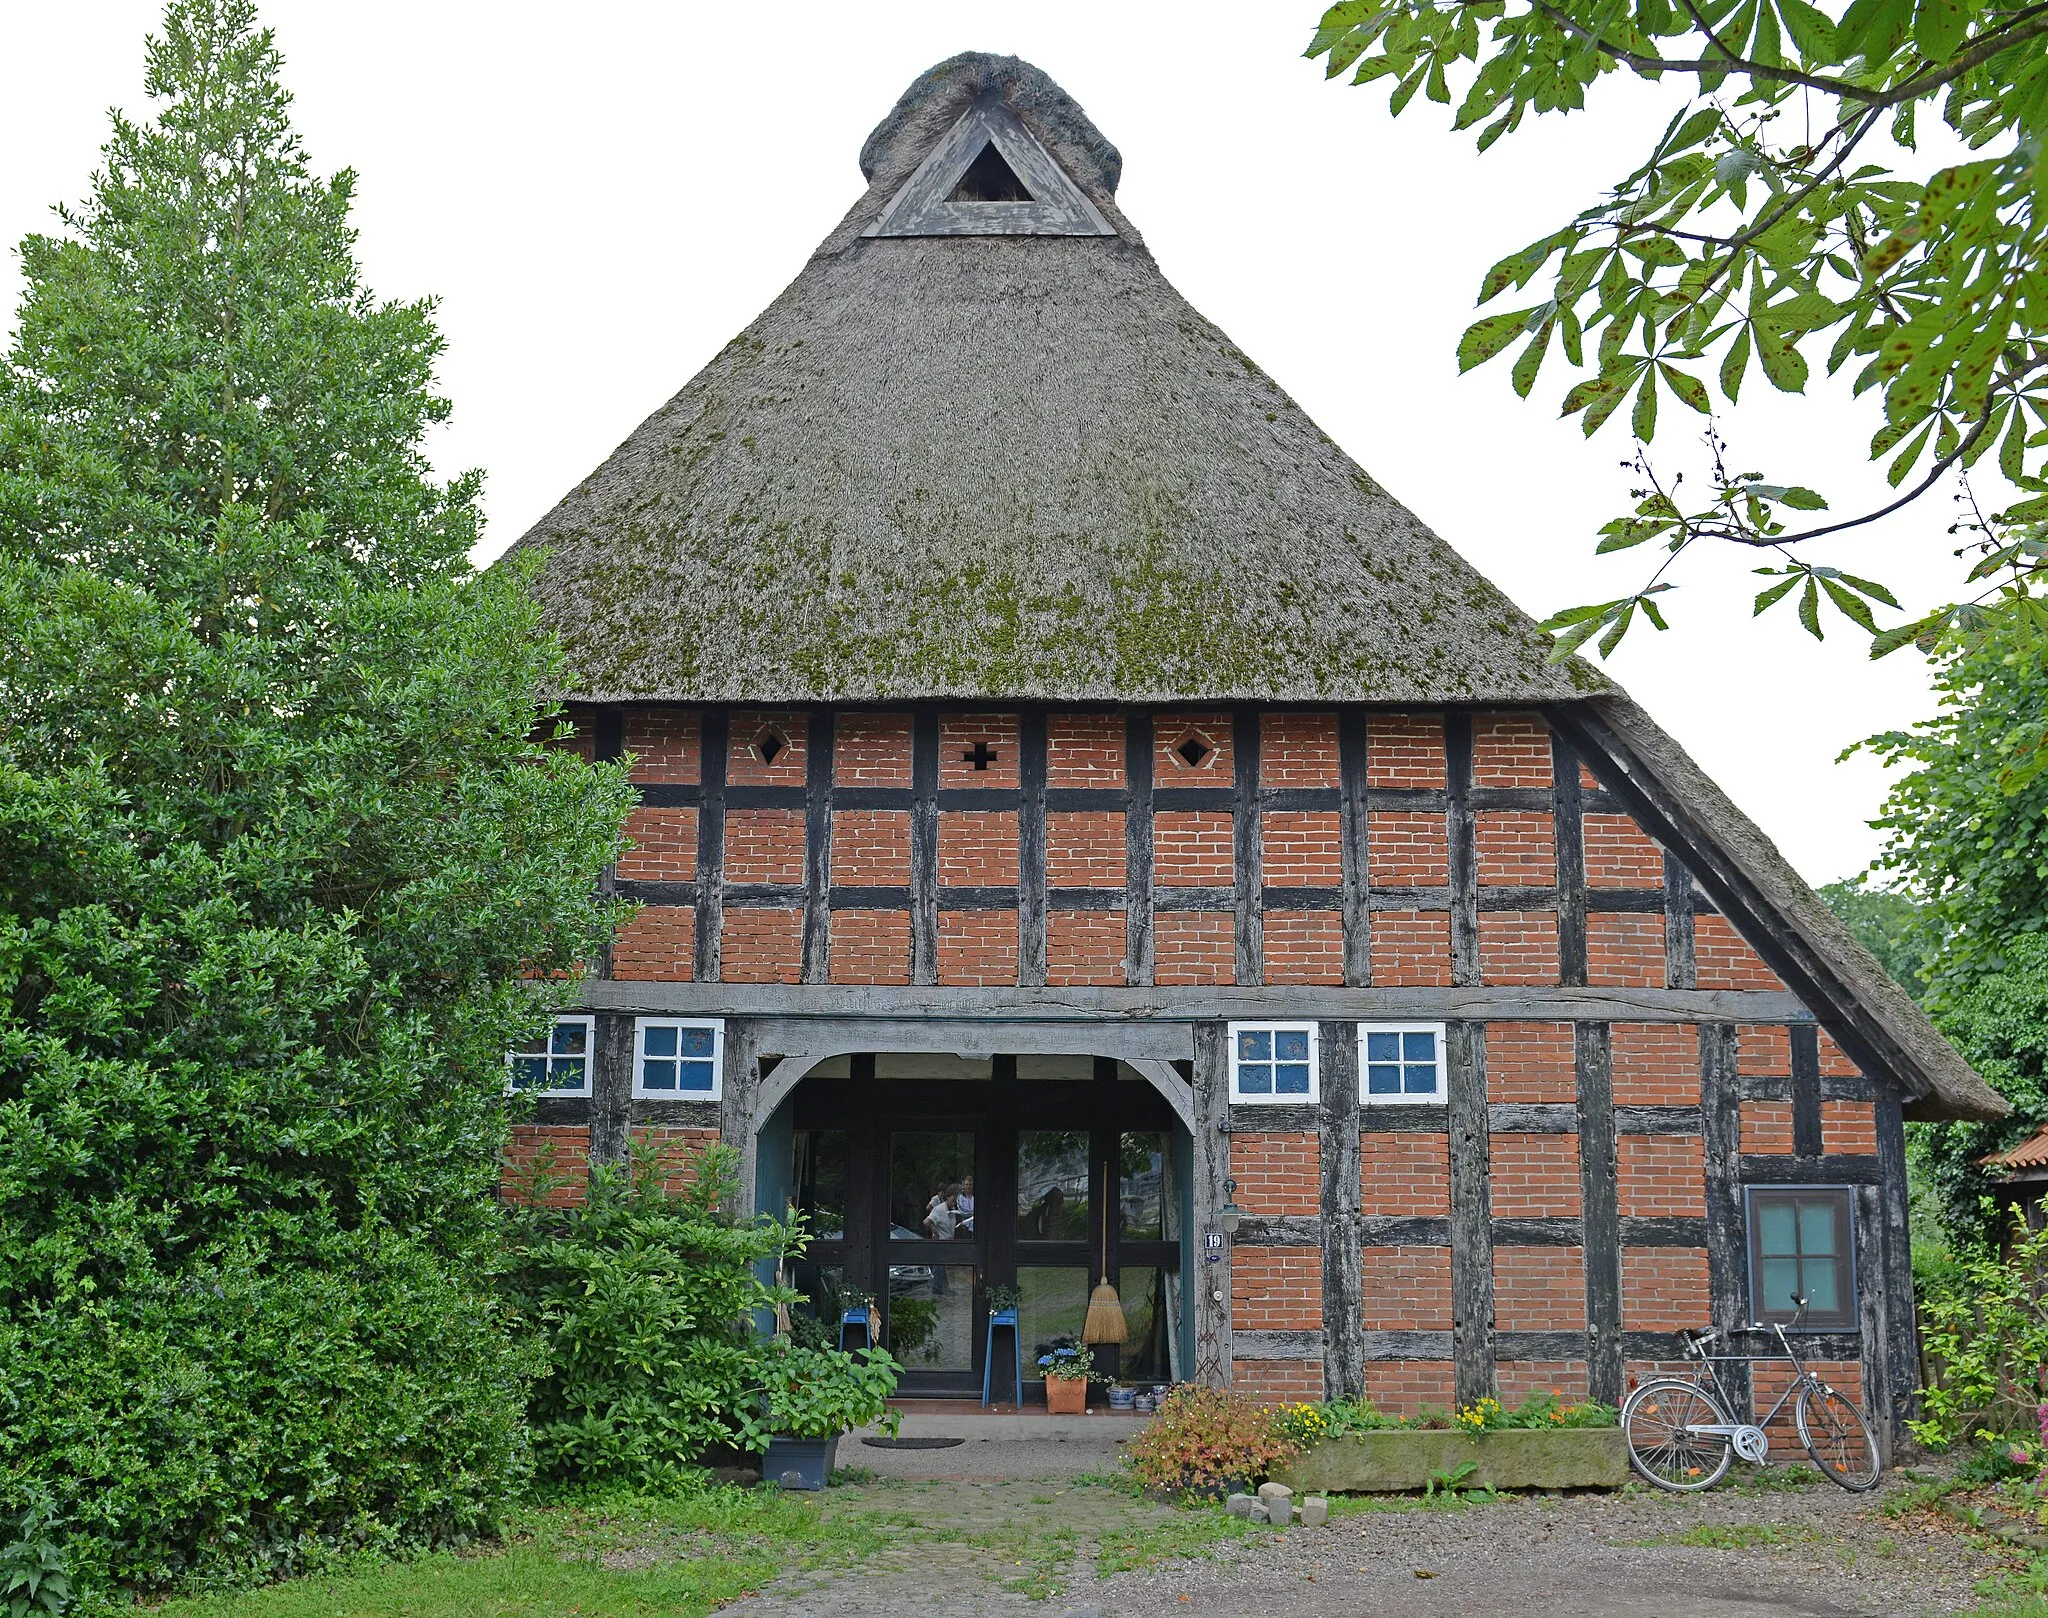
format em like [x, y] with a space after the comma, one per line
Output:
[1841, 975]
[1008, 466]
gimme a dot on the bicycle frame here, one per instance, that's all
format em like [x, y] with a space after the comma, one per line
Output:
[1696, 1345]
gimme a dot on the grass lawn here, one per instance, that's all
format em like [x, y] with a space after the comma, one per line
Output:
[631, 1557]
[655, 1558]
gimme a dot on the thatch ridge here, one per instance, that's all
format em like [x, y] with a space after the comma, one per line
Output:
[1012, 468]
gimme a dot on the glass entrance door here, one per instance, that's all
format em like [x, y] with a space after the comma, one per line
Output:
[934, 1252]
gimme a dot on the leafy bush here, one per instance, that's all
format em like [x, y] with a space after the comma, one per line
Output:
[1986, 1337]
[1204, 1438]
[284, 871]
[35, 1578]
[648, 1304]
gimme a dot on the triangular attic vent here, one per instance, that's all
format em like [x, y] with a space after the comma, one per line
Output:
[990, 177]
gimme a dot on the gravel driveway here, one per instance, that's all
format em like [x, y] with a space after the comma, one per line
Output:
[979, 1539]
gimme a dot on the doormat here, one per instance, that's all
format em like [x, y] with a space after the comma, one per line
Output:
[912, 1443]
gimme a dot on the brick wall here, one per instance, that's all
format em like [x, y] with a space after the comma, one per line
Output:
[1084, 750]
[1192, 850]
[1517, 947]
[1084, 946]
[871, 848]
[870, 946]
[665, 846]
[762, 946]
[1194, 946]
[1619, 854]
[664, 744]
[871, 750]
[1084, 849]
[676, 1150]
[1518, 1379]
[1304, 946]
[1535, 1176]
[1516, 849]
[1277, 1173]
[1303, 848]
[1403, 1387]
[1405, 750]
[1531, 1062]
[1660, 1176]
[1664, 1289]
[1539, 1288]
[1279, 1381]
[978, 849]
[978, 948]
[1402, 1174]
[658, 945]
[1510, 750]
[764, 845]
[546, 1163]
[1625, 951]
[1276, 1289]
[1407, 850]
[1407, 1288]
[1656, 1064]
[1410, 949]
[1298, 750]
[1767, 1128]
[1848, 1126]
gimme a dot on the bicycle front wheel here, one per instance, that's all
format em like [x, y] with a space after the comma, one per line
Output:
[1661, 1443]
[1837, 1437]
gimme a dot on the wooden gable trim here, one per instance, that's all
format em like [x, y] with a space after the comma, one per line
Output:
[923, 207]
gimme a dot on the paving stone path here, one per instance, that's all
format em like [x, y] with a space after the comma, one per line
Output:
[972, 1536]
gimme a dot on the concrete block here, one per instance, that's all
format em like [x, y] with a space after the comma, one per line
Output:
[1240, 1505]
[1395, 1462]
[1315, 1512]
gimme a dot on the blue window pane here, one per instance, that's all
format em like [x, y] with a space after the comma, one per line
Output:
[697, 1041]
[1781, 1281]
[1816, 1229]
[529, 1072]
[696, 1076]
[1422, 1080]
[1290, 1079]
[1775, 1231]
[1382, 1079]
[566, 1073]
[1290, 1045]
[1382, 1047]
[658, 1075]
[1419, 1047]
[1255, 1045]
[1255, 1079]
[1823, 1294]
[660, 1041]
[571, 1039]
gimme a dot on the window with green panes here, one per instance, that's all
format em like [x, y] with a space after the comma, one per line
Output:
[1802, 1254]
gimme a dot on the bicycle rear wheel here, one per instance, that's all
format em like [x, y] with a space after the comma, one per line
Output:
[1837, 1437]
[1660, 1445]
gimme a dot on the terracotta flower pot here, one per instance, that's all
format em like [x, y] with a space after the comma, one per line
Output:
[1066, 1395]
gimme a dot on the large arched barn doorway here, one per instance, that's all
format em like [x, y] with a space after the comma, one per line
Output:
[928, 1180]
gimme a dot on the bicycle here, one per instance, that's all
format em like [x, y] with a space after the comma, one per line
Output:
[1681, 1437]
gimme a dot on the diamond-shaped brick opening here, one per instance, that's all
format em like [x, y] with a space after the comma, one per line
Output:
[769, 745]
[1193, 750]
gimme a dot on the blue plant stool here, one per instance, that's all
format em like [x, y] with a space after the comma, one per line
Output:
[862, 1317]
[1007, 1319]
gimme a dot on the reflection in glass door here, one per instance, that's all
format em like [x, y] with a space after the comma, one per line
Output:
[933, 1250]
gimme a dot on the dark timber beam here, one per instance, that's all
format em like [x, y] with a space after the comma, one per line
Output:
[1568, 818]
[1471, 1214]
[714, 739]
[819, 733]
[1138, 958]
[1464, 853]
[1031, 769]
[1343, 1257]
[1248, 849]
[1805, 1041]
[924, 847]
[1600, 1208]
[1355, 825]
[1211, 1278]
[1727, 1242]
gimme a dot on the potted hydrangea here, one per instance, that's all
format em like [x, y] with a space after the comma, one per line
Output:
[1068, 1368]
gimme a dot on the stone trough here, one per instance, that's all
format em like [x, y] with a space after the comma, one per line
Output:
[1398, 1461]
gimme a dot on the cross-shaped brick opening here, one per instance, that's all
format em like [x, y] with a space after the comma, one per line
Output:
[1194, 750]
[981, 756]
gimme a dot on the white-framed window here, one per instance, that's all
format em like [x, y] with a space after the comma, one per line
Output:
[1400, 1062]
[556, 1064]
[679, 1058]
[1274, 1063]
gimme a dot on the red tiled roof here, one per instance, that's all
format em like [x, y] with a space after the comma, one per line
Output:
[2031, 1153]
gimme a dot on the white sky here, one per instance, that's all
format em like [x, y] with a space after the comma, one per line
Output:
[603, 195]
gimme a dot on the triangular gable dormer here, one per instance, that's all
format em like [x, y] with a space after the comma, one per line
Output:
[989, 176]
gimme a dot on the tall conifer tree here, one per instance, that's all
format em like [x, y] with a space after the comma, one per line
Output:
[283, 868]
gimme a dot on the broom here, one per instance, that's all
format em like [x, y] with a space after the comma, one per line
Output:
[1105, 1323]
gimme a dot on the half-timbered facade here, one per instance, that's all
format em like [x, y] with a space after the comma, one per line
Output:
[1086, 824]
